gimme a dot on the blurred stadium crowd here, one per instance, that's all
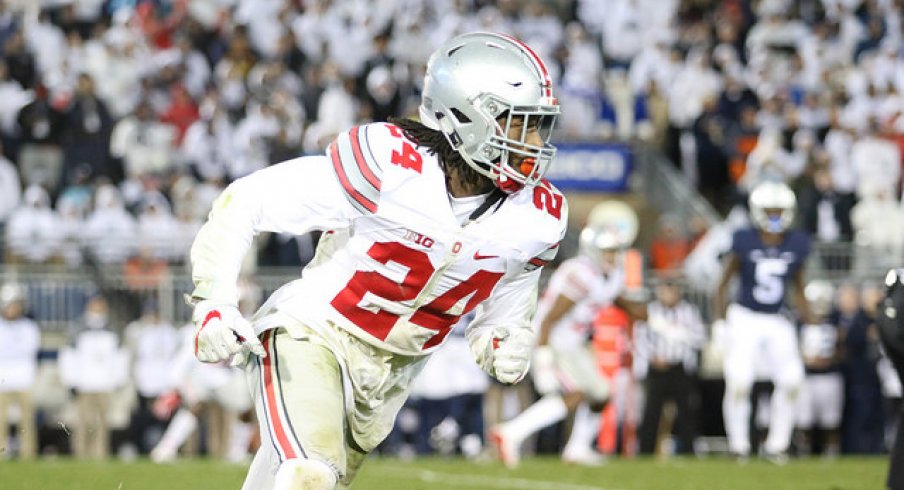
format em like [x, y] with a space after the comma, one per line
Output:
[121, 120]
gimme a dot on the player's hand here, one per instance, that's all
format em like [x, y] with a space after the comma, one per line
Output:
[511, 353]
[544, 371]
[222, 333]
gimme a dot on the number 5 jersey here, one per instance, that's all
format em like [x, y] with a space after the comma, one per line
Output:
[396, 268]
[766, 270]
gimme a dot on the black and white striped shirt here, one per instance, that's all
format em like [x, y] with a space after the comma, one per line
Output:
[674, 335]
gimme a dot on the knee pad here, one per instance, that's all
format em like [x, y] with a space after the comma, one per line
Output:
[305, 474]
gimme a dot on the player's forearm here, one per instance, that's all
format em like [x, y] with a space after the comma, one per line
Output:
[636, 310]
[220, 247]
[718, 304]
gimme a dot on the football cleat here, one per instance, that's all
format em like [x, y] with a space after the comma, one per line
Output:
[506, 448]
[584, 457]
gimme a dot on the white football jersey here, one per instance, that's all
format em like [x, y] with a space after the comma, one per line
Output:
[818, 340]
[395, 268]
[581, 280]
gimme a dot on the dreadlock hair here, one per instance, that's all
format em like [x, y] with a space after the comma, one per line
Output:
[437, 144]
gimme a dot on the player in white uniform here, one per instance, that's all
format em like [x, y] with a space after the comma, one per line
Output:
[427, 221]
[565, 371]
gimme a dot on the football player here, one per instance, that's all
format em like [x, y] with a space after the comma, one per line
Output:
[769, 260]
[822, 397]
[565, 373]
[427, 221]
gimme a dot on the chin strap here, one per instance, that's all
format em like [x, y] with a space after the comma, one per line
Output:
[497, 197]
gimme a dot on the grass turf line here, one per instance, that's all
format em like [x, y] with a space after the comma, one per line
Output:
[437, 474]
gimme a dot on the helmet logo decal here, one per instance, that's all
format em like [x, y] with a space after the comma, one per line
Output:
[541, 67]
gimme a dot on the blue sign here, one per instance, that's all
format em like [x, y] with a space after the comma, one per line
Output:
[591, 167]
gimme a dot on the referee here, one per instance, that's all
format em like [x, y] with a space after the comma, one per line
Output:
[890, 320]
[667, 347]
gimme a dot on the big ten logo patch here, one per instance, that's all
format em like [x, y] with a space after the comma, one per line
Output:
[419, 239]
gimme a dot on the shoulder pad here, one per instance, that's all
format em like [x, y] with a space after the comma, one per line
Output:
[356, 168]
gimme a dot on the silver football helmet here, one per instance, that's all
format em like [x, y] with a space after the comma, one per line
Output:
[821, 296]
[472, 81]
[603, 244]
[770, 196]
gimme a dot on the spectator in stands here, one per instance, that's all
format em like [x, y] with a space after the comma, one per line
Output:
[581, 93]
[12, 98]
[181, 111]
[143, 142]
[9, 23]
[71, 224]
[838, 142]
[825, 213]
[10, 192]
[877, 162]
[40, 156]
[152, 343]
[110, 230]
[20, 338]
[878, 224]
[252, 138]
[32, 232]
[157, 226]
[768, 161]
[694, 81]
[207, 146]
[19, 60]
[143, 272]
[710, 138]
[87, 125]
[230, 71]
[94, 366]
[669, 246]
[862, 426]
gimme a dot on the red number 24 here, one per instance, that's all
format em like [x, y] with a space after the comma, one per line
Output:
[433, 315]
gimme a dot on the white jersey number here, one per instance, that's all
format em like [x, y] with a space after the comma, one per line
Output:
[770, 284]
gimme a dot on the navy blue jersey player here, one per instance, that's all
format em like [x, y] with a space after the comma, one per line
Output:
[761, 340]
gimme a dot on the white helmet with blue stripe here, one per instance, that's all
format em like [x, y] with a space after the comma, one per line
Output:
[772, 206]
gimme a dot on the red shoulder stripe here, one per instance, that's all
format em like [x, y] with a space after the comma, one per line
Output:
[365, 169]
[350, 190]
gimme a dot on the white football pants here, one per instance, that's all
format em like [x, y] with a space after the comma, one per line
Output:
[300, 403]
[760, 344]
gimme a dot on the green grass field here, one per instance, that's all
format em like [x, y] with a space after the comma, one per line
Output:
[437, 474]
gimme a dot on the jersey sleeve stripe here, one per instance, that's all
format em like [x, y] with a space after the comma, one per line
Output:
[356, 198]
[365, 165]
[549, 253]
[537, 261]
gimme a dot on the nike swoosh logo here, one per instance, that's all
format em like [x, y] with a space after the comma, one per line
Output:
[479, 256]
